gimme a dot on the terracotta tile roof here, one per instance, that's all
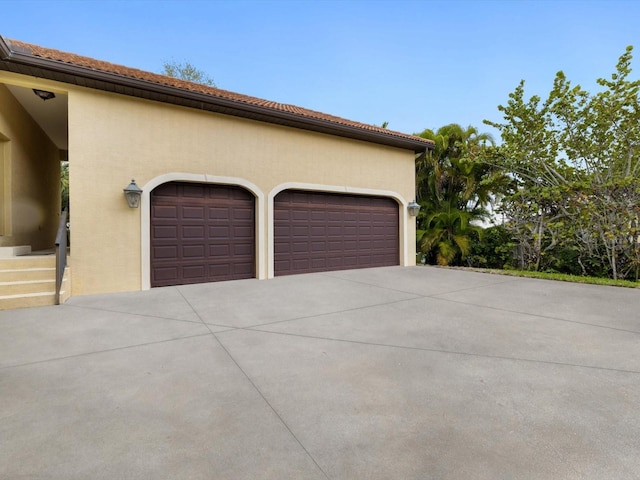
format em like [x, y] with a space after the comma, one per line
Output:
[154, 78]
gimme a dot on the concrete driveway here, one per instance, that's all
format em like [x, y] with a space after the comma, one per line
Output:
[390, 373]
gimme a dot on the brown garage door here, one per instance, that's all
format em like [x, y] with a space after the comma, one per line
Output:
[201, 233]
[319, 232]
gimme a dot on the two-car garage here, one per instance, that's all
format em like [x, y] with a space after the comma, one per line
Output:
[206, 232]
[230, 186]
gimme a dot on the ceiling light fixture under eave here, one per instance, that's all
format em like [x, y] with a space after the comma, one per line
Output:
[44, 95]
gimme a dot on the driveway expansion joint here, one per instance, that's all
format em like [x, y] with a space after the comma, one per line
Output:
[324, 314]
[145, 315]
[106, 350]
[535, 315]
[257, 390]
[448, 352]
[417, 295]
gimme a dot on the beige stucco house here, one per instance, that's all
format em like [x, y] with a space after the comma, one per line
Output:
[232, 186]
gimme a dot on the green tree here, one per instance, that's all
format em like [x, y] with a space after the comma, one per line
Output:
[574, 162]
[186, 71]
[454, 186]
[447, 234]
[64, 184]
[494, 250]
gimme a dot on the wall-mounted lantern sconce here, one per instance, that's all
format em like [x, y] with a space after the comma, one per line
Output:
[413, 208]
[44, 95]
[133, 193]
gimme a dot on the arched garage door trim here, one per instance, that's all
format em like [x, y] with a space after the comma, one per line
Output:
[403, 220]
[145, 211]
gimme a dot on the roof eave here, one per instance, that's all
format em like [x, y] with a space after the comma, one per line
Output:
[5, 51]
[48, 68]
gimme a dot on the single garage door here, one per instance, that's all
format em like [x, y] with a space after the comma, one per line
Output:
[201, 233]
[318, 232]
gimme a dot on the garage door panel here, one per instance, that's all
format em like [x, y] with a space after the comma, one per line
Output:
[243, 232]
[219, 269]
[194, 271]
[379, 244]
[193, 232]
[301, 215]
[201, 233]
[165, 252]
[351, 245]
[285, 231]
[193, 213]
[219, 231]
[352, 261]
[219, 250]
[218, 213]
[315, 231]
[281, 215]
[302, 265]
[169, 274]
[318, 246]
[239, 249]
[166, 232]
[334, 246]
[335, 263]
[240, 270]
[282, 265]
[165, 211]
[193, 251]
[166, 190]
[243, 214]
[300, 247]
[193, 190]
[318, 263]
[301, 230]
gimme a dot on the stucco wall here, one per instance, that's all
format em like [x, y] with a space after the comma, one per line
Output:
[115, 138]
[30, 178]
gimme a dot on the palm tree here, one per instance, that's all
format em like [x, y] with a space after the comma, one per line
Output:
[447, 235]
[454, 187]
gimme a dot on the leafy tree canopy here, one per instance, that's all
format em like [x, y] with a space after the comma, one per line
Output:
[573, 161]
[186, 71]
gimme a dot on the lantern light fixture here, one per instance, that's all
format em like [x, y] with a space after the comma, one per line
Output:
[413, 208]
[133, 193]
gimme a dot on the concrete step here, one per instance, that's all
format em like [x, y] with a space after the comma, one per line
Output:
[24, 274]
[14, 251]
[33, 293]
[9, 302]
[28, 261]
[26, 287]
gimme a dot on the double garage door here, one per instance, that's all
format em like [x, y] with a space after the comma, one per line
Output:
[206, 233]
[319, 232]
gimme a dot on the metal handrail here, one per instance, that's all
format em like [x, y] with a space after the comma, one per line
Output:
[61, 253]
